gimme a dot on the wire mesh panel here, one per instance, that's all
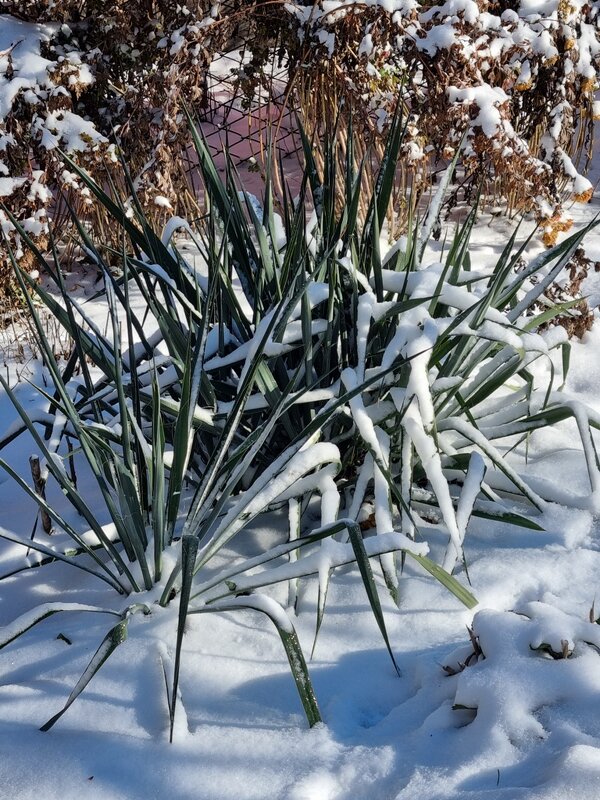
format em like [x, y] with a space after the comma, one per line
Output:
[247, 125]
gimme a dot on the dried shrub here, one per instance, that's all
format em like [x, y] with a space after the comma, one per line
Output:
[89, 73]
[512, 88]
[578, 318]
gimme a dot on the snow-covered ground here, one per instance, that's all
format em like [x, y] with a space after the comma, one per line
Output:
[517, 724]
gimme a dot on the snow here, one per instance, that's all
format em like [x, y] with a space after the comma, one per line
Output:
[487, 99]
[22, 41]
[63, 128]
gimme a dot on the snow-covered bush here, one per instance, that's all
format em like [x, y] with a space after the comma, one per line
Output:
[510, 84]
[296, 371]
[74, 75]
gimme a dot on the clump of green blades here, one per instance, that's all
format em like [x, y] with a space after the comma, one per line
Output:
[287, 367]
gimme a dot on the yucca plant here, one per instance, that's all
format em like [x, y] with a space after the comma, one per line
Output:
[296, 361]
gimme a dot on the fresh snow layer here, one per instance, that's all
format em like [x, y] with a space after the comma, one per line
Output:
[21, 40]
